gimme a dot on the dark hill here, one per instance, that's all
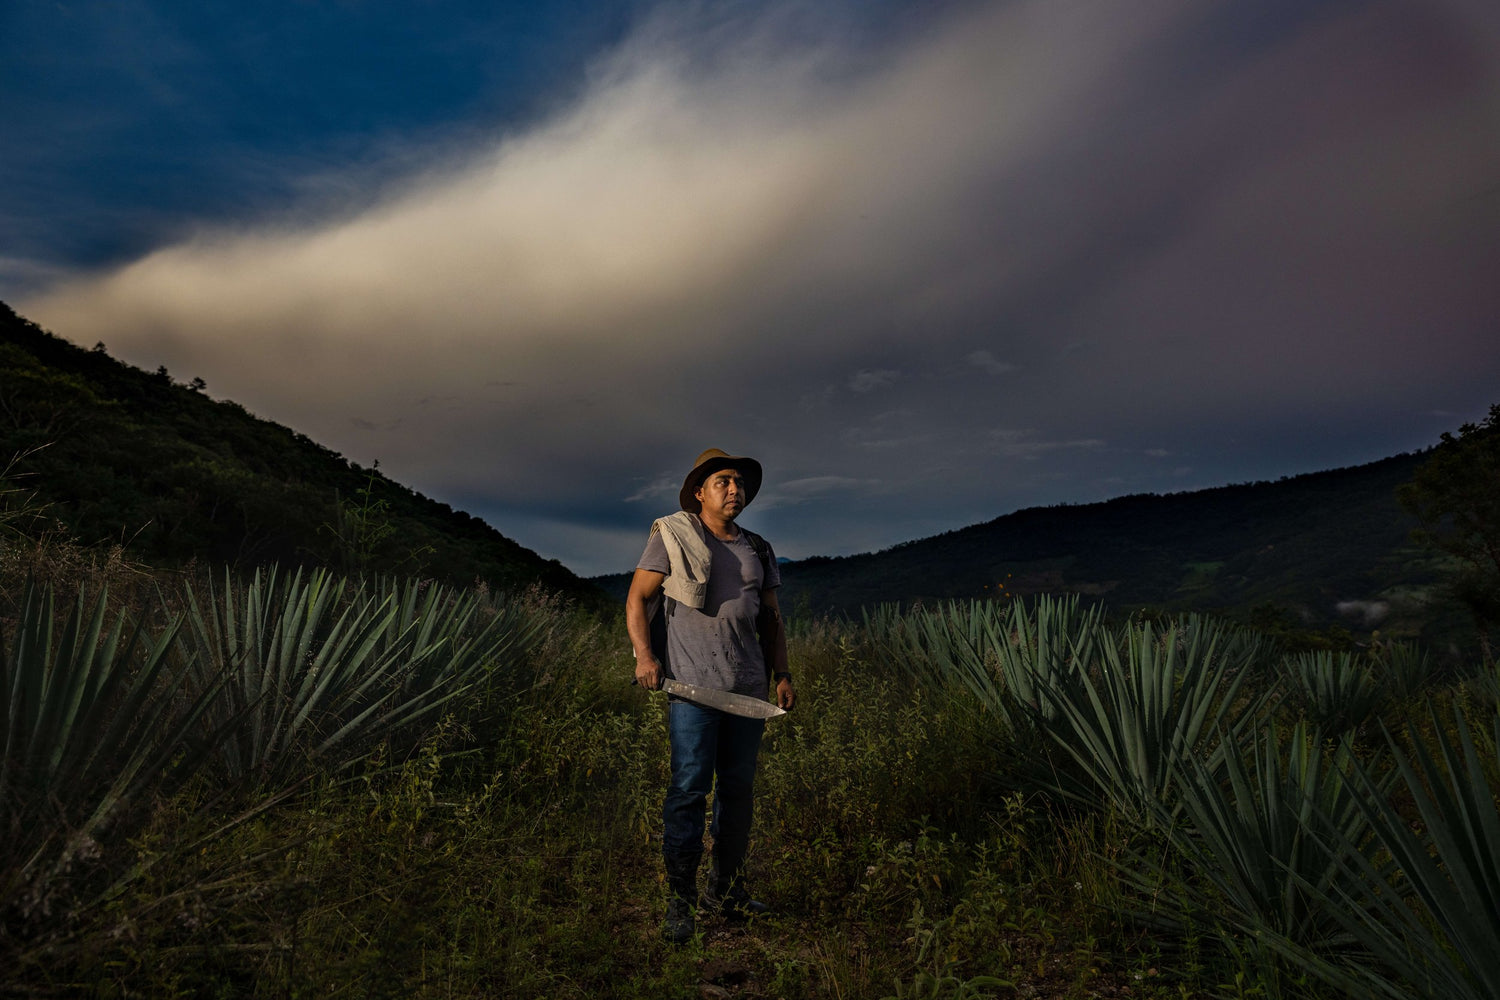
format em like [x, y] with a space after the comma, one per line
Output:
[123, 455]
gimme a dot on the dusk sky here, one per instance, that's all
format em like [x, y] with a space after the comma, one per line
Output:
[929, 262]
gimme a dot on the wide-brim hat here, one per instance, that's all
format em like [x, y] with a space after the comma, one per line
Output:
[712, 461]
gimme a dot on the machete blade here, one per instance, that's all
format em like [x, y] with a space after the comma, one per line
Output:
[724, 701]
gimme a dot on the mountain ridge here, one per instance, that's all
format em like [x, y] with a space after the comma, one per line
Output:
[1327, 550]
[118, 455]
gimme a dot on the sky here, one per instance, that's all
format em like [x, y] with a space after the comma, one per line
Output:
[930, 263]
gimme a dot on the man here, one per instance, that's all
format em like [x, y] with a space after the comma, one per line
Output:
[718, 582]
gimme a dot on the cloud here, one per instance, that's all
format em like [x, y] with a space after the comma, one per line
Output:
[797, 490]
[664, 486]
[988, 363]
[868, 381]
[24, 272]
[1022, 444]
[1367, 613]
[1195, 234]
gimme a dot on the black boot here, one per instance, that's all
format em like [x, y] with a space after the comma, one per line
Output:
[682, 897]
[726, 887]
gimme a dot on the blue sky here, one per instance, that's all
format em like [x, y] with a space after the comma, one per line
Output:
[930, 263]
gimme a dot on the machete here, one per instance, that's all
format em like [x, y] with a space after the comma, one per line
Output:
[724, 701]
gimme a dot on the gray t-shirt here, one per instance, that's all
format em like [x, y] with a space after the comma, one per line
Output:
[716, 646]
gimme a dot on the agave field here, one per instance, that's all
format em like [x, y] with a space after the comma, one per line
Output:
[295, 783]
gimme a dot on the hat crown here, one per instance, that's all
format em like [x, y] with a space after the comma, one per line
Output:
[709, 456]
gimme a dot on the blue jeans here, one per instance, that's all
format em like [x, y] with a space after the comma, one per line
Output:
[711, 751]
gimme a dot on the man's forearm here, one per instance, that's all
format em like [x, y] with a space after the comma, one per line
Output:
[638, 628]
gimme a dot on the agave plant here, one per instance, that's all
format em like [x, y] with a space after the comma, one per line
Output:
[1006, 655]
[1042, 650]
[1436, 922]
[316, 668]
[1402, 667]
[1337, 693]
[455, 637]
[1145, 703]
[94, 722]
[1263, 843]
[886, 627]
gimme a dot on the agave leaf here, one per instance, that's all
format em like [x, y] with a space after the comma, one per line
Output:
[322, 667]
[1423, 897]
[1272, 846]
[1402, 668]
[180, 754]
[1142, 704]
[93, 727]
[1337, 692]
[1453, 864]
[60, 708]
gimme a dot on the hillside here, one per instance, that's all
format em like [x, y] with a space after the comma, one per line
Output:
[121, 455]
[1313, 551]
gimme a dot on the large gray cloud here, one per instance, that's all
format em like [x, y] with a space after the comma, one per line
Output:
[1037, 252]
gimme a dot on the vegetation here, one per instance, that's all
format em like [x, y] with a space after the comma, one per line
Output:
[297, 784]
[1456, 497]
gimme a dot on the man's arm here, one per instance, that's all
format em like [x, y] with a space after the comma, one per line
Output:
[775, 644]
[643, 586]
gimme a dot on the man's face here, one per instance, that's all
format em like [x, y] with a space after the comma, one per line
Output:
[722, 494]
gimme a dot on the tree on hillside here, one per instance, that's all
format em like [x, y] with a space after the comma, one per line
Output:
[38, 401]
[1456, 497]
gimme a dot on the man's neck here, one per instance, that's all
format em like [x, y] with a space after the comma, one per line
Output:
[721, 528]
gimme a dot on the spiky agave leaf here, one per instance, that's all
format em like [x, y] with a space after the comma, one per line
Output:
[1144, 703]
[1403, 668]
[296, 658]
[1260, 841]
[91, 727]
[1005, 655]
[320, 667]
[1041, 649]
[1337, 692]
[456, 636]
[1427, 900]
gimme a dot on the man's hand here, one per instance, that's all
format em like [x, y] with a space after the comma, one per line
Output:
[785, 696]
[643, 586]
[648, 672]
